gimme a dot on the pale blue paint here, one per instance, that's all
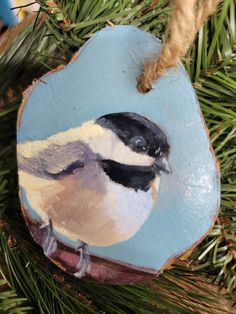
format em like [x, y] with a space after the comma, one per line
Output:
[34, 215]
[103, 80]
[6, 14]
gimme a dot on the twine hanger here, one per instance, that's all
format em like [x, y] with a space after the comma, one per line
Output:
[188, 16]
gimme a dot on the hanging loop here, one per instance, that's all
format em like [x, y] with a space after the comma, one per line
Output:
[188, 16]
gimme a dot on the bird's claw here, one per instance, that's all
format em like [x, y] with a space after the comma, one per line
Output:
[49, 243]
[49, 246]
[84, 260]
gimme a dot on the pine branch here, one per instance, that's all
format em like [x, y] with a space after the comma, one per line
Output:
[84, 18]
[11, 302]
[213, 69]
[175, 291]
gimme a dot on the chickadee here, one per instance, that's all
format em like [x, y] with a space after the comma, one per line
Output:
[95, 184]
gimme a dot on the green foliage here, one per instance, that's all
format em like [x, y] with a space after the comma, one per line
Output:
[73, 22]
[213, 70]
[28, 277]
[49, 290]
[10, 301]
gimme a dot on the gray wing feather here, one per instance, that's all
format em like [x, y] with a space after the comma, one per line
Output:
[57, 159]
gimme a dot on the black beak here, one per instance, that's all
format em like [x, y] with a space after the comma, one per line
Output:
[162, 164]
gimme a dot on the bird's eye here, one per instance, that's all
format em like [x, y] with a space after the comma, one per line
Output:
[138, 143]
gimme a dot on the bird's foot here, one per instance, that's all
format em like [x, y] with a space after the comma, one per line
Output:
[49, 243]
[84, 260]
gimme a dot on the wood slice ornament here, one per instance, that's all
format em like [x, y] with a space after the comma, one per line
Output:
[115, 184]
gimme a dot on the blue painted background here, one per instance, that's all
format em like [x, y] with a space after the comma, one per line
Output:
[103, 80]
[6, 14]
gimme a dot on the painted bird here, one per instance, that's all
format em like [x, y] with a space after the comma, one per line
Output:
[95, 184]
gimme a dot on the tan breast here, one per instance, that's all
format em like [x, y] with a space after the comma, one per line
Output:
[75, 205]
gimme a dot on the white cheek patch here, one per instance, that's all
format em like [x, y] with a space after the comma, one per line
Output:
[102, 141]
[109, 146]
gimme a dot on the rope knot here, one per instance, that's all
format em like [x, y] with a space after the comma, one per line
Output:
[188, 16]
